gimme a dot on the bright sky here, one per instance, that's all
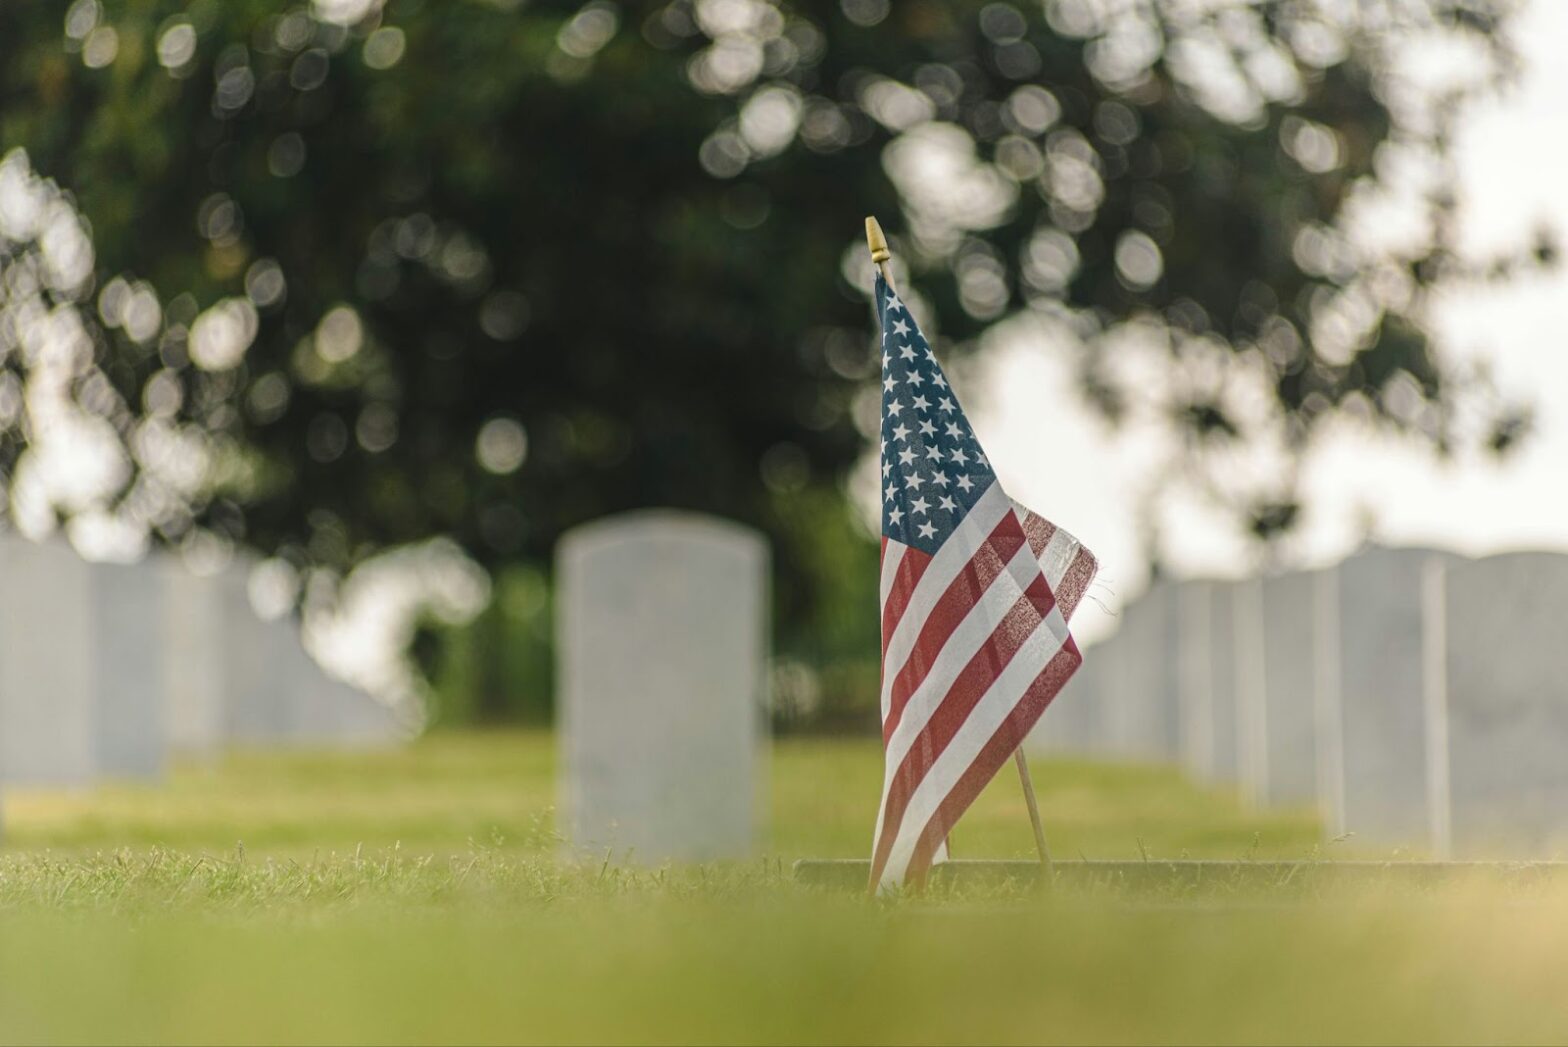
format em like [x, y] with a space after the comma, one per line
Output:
[1056, 457]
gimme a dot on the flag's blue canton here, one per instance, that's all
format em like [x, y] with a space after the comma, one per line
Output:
[933, 470]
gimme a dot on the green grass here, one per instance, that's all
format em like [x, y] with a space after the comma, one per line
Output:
[450, 791]
[418, 896]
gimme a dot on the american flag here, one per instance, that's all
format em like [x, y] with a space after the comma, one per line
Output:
[976, 595]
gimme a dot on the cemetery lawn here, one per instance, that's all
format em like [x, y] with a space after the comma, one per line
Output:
[419, 896]
[449, 792]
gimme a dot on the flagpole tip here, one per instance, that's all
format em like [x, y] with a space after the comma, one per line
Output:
[876, 241]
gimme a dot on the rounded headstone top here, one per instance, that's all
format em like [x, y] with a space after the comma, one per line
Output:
[1522, 558]
[658, 527]
[1402, 553]
[1528, 576]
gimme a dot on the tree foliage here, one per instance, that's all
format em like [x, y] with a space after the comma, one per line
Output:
[493, 269]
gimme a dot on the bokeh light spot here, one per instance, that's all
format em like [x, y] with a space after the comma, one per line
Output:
[81, 18]
[286, 155]
[504, 315]
[866, 13]
[1138, 260]
[339, 335]
[101, 47]
[264, 283]
[589, 29]
[221, 334]
[384, 48]
[177, 45]
[502, 446]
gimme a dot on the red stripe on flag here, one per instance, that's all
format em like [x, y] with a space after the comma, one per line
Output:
[997, 751]
[1071, 589]
[1039, 529]
[1021, 622]
[966, 590]
[1079, 574]
[910, 568]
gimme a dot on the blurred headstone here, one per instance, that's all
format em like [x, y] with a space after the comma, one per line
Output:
[1506, 772]
[1140, 707]
[193, 660]
[1381, 696]
[662, 647]
[1224, 763]
[47, 707]
[1290, 660]
[1206, 679]
[353, 719]
[325, 712]
[1327, 701]
[257, 664]
[275, 694]
[1194, 676]
[1247, 688]
[128, 654]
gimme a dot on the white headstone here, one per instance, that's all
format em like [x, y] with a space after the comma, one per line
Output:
[1226, 765]
[273, 693]
[1099, 718]
[1206, 675]
[1290, 659]
[662, 647]
[131, 733]
[258, 664]
[47, 714]
[1247, 688]
[193, 660]
[1506, 778]
[1068, 727]
[325, 712]
[352, 719]
[1194, 676]
[1327, 704]
[1140, 714]
[1382, 696]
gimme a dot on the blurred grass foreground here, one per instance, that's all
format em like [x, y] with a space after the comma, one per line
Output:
[420, 896]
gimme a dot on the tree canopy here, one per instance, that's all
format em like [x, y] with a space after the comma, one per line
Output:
[490, 269]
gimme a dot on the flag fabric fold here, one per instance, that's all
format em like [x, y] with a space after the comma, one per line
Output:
[976, 594]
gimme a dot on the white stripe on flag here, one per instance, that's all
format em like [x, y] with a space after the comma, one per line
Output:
[1057, 557]
[951, 558]
[983, 721]
[892, 556]
[978, 626]
[971, 634]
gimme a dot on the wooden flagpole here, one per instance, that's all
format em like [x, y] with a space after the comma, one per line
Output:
[1034, 811]
[880, 255]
